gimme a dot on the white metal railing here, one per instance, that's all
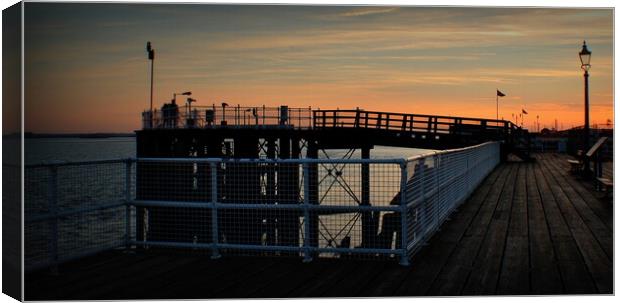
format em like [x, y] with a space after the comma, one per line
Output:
[362, 208]
[438, 183]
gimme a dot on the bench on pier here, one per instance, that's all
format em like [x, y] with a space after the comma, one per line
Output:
[606, 183]
[577, 165]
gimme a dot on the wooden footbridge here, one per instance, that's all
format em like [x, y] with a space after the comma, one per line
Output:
[283, 132]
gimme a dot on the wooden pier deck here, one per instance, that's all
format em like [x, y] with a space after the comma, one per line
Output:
[530, 228]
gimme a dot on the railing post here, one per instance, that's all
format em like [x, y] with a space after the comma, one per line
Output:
[128, 163]
[53, 210]
[422, 202]
[404, 219]
[468, 173]
[436, 163]
[215, 254]
[307, 253]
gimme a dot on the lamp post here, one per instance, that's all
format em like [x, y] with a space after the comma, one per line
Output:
[584, 56]
[189, 105]
[151, 55]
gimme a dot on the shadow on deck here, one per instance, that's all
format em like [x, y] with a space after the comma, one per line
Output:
[530, 228]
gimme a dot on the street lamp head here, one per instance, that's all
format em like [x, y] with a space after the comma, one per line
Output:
[150, 51]
[584, 56]
[187, 94]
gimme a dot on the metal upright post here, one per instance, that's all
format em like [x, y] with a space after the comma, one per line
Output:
[214, 231]
[128, 164]
[586, 127]
[307, 253]
[368, 225]
[404, 225]
[53, 210]
[436, 186]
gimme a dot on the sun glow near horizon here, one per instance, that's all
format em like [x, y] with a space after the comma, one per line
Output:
[87, 70]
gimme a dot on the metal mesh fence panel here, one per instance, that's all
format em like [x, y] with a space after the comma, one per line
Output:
[310, 208]
[438, 183]
[74, 209]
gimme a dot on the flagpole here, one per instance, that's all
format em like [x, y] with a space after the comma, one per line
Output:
[496, 104]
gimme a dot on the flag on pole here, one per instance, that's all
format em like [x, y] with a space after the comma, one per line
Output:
[500, 94]
[523, 111]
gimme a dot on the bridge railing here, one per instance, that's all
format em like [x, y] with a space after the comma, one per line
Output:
[407, 122]
[355, 208]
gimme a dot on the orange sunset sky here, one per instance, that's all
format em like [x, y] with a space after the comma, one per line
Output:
[86, 68]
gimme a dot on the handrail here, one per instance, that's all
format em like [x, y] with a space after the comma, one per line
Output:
[409, 114]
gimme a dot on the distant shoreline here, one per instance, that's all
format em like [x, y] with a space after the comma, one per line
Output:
[28, 135]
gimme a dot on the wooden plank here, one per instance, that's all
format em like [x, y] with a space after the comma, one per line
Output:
[427, 264]
[354, 282]
[593, 222]
[137, 284]
[229, 280]
[243, 287]
[336, 274]
[602, 209]
[454, 273]
[545, 275]
[514, 276]
[484, 275]
[44, 285]
[85, 280]
[594, 257]
[184, 281]
[304, 274]
[575, 277]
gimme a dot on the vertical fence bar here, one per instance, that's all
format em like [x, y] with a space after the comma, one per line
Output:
[53, 210]
[215, 254]
[128, 163]
[307, 254]
[404, 219]
[437, 190]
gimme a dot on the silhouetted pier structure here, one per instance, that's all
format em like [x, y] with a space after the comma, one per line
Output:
[283, 133]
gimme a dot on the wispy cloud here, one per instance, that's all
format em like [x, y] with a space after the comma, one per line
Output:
[368, 11]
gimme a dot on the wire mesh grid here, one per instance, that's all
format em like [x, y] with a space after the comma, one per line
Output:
[285, 207]
[75, 209]
[439, 183]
